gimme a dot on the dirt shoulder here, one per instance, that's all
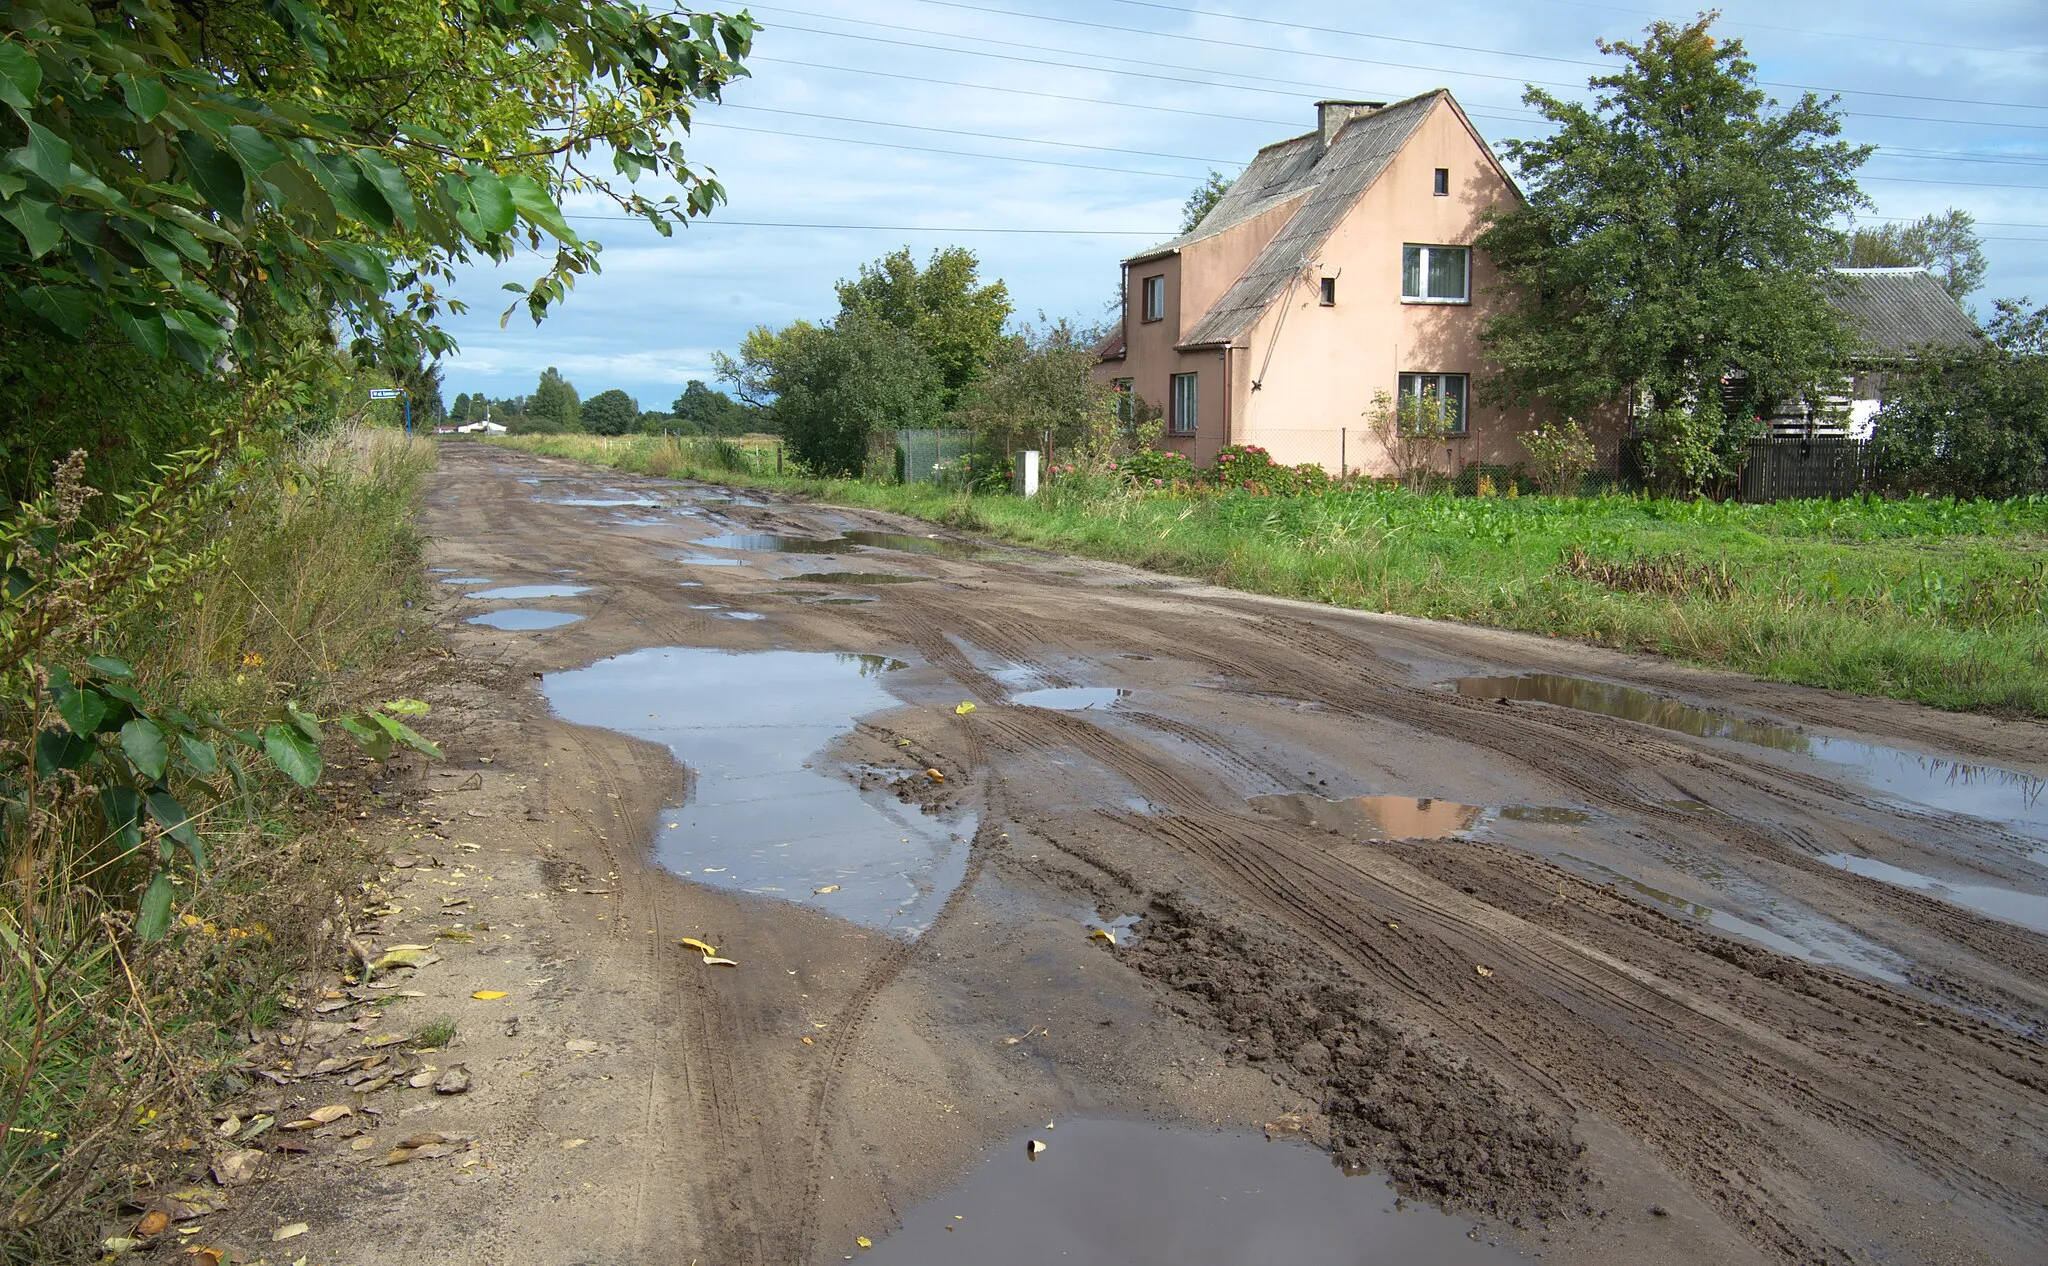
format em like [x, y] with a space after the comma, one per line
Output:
[1494, 1016]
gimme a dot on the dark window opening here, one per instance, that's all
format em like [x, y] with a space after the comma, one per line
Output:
[1329, 291]
[1443, 182]
[1155, 298]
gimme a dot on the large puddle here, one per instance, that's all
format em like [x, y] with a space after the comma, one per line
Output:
[521, 593]
[1133, 1194]
[856, 578]
[1403, 817]
[761, 814]
[2006, 796]
[1070, 698]
[2004, 904]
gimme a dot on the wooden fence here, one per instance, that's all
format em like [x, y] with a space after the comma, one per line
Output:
[1781, 468]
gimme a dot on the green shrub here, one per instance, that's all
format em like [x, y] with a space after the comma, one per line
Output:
[1155, 468]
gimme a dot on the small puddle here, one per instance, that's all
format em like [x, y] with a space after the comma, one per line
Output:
[603, 502]
[1812, 938]
[838, 602]
[904, 543]
[757, 817]
[741, 615]
[1375, 817]
[2006, 796]
[524, 620]
[2007, 905]
[1545, 815]
[856, 578]
[1134, 1194]
[1069, 698]
[515, 593]
[766, 542]
[707, 560]
[1121, 929]
[465, 580]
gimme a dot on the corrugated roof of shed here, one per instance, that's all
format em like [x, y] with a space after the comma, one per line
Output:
[1346, 169]
[1896, 311]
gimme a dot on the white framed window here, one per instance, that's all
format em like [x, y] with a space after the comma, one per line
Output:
[1440, 397]
[1187, 403]
[1155, 298]
[1436, 274]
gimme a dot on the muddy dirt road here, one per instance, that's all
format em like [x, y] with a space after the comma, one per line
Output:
[1613, 960]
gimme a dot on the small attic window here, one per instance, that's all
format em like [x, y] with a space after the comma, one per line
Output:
[1443, 182]
[1329, 299]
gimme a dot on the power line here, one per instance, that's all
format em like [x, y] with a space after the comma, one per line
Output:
[987, 136]
[1295, 93]
[887, 228]
[1765, 26]
[1403, 39]
[954, 153]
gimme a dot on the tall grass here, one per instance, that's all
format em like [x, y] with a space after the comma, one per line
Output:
[1940, 601]
[108, 1046]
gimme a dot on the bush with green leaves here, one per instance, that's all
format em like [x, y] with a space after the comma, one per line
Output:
[1560, 454]
[1155, 468]
[1971, 422]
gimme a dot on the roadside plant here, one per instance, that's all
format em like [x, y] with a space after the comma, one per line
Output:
[1560, 454]
[1410, 430]
[1680, 450]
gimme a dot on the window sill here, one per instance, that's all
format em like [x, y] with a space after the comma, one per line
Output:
[1438, 303]
[1150, 320]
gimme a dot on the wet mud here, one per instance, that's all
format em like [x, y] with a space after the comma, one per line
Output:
[1685, 968]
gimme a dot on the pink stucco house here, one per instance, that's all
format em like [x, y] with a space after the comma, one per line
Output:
[1339, 265]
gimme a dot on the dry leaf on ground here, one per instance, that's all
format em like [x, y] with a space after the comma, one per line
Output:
[490, 995]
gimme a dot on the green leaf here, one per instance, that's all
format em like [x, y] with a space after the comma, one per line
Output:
[533, 202]
[108, 666]
[215, 175]
[20, 76]
[155, 913]
[291, 753]
[359, 262]
[307, 725]
[83, 709]
[493, 201]
[391, 183]
[46, 155]
[143, 741]
[404, 733]
[61, 749]
[41, 223]
[370, 738]
[201, 755]
[69, 309]
[122, 808]
[164, 807]
[408, 707]
[253, 149]
[147, 98]
[144, 328]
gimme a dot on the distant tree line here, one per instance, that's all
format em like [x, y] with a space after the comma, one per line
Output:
[555, 406]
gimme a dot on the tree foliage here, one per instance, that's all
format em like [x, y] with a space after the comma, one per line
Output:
[700, 410]
[1677, 227]
[180, 171]
[1203, 200]
[1039, 391]
[1945, 244]
[554, 401]
[836, 384]
[610, 412]
[1971, 422]
[943, 306]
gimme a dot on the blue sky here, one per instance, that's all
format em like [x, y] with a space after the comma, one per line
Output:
[1087, 124]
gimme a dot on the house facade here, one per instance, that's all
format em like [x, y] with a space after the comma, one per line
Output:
[1338, 266]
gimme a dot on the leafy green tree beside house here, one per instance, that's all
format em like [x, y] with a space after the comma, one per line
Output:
[553, 406]
[834, 385]
[1945, 244]
[944, 306]
[1677, 227]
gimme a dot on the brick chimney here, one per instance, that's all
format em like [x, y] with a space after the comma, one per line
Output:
[1331, 116]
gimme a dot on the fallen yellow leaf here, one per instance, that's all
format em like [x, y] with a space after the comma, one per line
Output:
[1103, 934]
[808, 1042]
[934, 775]
[490, 995]
[963, 709]
[700, 946]
[863, 1241]
[827, 888]
[1484, 971]
[710, 961]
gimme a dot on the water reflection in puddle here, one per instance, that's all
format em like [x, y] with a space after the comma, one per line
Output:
[756, 817]
[1374, 817]
[2026, 909]
[1145, 1195]
[902, 543]
[1121, 929]
[524, 620]
[514, 593]
[1069, 698]
[707, 560]
[465, 580]
[603, 502]
[856, 578]
[1983, 791]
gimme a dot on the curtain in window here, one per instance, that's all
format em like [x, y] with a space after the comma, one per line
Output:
[1447, 273]
[1411, 272]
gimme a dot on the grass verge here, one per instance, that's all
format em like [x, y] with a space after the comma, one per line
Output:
[112, 1046]
[1941, 602]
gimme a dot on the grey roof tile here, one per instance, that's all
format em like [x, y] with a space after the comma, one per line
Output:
[1360, 152]
[1896, 311]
